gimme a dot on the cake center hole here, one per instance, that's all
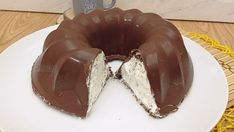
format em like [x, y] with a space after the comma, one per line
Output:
[115, 65]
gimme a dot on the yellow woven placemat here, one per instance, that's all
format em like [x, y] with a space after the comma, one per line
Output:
[225, 56]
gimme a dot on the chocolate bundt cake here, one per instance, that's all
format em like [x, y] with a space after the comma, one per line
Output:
[72, 69]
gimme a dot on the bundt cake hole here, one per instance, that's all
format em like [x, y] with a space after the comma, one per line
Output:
[115, 65]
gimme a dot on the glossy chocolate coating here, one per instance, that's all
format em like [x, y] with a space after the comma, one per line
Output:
[63, 84]
[59, 74]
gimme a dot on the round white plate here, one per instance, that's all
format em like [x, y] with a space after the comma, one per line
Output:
[116, 110]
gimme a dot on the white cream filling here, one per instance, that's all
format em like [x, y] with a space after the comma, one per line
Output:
[135, 76]
[97, 78]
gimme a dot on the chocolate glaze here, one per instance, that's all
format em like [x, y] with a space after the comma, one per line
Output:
[59, 74]
[63, 84]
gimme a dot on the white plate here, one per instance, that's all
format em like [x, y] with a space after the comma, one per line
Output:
[116, 110]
